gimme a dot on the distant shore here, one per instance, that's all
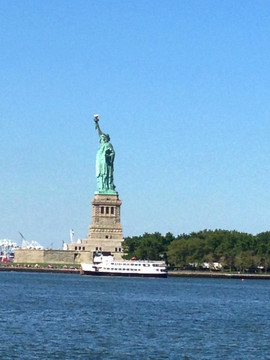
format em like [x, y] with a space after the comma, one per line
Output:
[40, 269]
[215, 274]
[171, 273]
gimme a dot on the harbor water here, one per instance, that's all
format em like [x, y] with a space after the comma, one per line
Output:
[64, 316]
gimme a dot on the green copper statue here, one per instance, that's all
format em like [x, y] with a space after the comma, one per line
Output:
[104, 163]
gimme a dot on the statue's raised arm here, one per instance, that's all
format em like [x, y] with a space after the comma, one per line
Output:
[104, 162]
[96, 120]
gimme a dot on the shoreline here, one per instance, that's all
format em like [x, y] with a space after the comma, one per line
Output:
[39, 270]
[216, 275]
[171, 273]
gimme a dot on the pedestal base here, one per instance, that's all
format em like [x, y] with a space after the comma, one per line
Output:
[105, 232]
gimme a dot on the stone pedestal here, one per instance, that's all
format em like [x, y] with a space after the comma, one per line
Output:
[105, 232]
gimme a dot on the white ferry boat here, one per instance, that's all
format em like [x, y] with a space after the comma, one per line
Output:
[105, 265]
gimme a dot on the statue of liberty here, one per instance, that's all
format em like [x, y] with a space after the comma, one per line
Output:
[104, 163]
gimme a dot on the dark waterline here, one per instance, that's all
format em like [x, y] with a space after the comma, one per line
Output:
[56, 316]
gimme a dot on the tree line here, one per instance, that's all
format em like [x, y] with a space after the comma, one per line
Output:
[235, 251]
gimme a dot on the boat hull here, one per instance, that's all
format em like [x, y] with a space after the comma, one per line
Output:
[104, 273]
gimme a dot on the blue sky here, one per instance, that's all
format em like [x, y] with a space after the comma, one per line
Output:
[182, 87]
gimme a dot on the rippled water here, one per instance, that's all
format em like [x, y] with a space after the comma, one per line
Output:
[60, 316]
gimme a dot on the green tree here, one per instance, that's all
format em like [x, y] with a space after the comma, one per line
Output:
[243, 261]
[177, 253]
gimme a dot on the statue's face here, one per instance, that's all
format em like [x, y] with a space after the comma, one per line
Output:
[104, 138]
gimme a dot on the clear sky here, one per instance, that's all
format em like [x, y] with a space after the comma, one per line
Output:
[183, 89]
